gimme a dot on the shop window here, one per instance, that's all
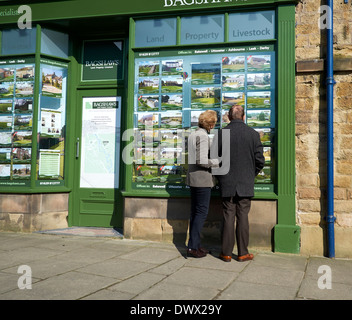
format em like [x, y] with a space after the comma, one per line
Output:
[259, 25]
[54, 43]
[172, 90]
[17, 41]
[51, 123]
[155, 32]
[202, 29]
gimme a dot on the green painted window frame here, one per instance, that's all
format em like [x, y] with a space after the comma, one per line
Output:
[286, 232]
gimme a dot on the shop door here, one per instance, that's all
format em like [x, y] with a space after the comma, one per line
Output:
[96, 199]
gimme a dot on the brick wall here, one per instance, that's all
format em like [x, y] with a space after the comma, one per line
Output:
[311, 139]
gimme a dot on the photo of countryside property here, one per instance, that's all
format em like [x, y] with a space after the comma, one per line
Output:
[7, 74]
[231, 98]
[5, 106]
[258, 81]
[258, 63]
[148, 86]
[171, 84]
[260, 99]
[205, 97]
[148, 102]
[233, 64]
[233, 81]
[206, 73]
[148, 68]
[172, 67]
[258, 118]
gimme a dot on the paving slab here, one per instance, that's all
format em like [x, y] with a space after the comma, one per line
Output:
[68, 286]
[239, 290]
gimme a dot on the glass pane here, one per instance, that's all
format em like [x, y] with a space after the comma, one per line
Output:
[51, 123]
[17, 41]
[155, 32]
[54, 43]
[16, 121]
[202, 29]
[258, 25]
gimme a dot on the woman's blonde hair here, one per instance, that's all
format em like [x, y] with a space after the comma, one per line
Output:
[207, 119]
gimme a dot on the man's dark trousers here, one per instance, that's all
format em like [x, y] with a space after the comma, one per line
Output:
[235, 208]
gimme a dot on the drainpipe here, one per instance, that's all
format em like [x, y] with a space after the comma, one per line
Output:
[330, 218]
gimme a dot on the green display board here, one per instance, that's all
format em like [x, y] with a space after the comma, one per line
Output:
[172, 88]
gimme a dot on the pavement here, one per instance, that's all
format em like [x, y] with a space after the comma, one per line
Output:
[91, 266]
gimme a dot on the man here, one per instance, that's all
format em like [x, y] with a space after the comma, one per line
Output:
[237, 186]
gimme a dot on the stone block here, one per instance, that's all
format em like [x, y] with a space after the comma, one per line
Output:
[54, 202]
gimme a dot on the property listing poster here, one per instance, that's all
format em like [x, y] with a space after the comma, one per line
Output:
[173, 88]
[16, 118]
[100, 142]
[51, 123]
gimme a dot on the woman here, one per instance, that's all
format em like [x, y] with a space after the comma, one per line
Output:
[200, 180]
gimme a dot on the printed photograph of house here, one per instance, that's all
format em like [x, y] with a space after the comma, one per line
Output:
[21, 155]
[25, 74]
[52, 82]
[258, 63]
[24, 89]
[148, 86]
[233, 81]
[231, 98]
[258, 118]
[148, 68]
[260, 99]
[172, 67]
[21, 171]
[258, 81]
[171, 102]
[171, 119]
[171, 84]
[147, 120]
[205, 97]
[7, 74]
[233, 64]
[148, 102]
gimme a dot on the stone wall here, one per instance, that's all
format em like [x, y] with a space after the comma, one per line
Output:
[33, 212]
[167, 219]
[311, 139]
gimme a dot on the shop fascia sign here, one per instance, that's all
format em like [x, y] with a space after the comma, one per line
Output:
[176, 3]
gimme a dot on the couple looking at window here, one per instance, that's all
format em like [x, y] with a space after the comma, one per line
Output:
[234, 158]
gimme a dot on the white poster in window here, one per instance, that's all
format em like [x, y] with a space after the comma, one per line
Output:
[100, 142]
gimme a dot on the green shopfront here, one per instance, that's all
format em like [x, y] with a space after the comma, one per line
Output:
[97, 102]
